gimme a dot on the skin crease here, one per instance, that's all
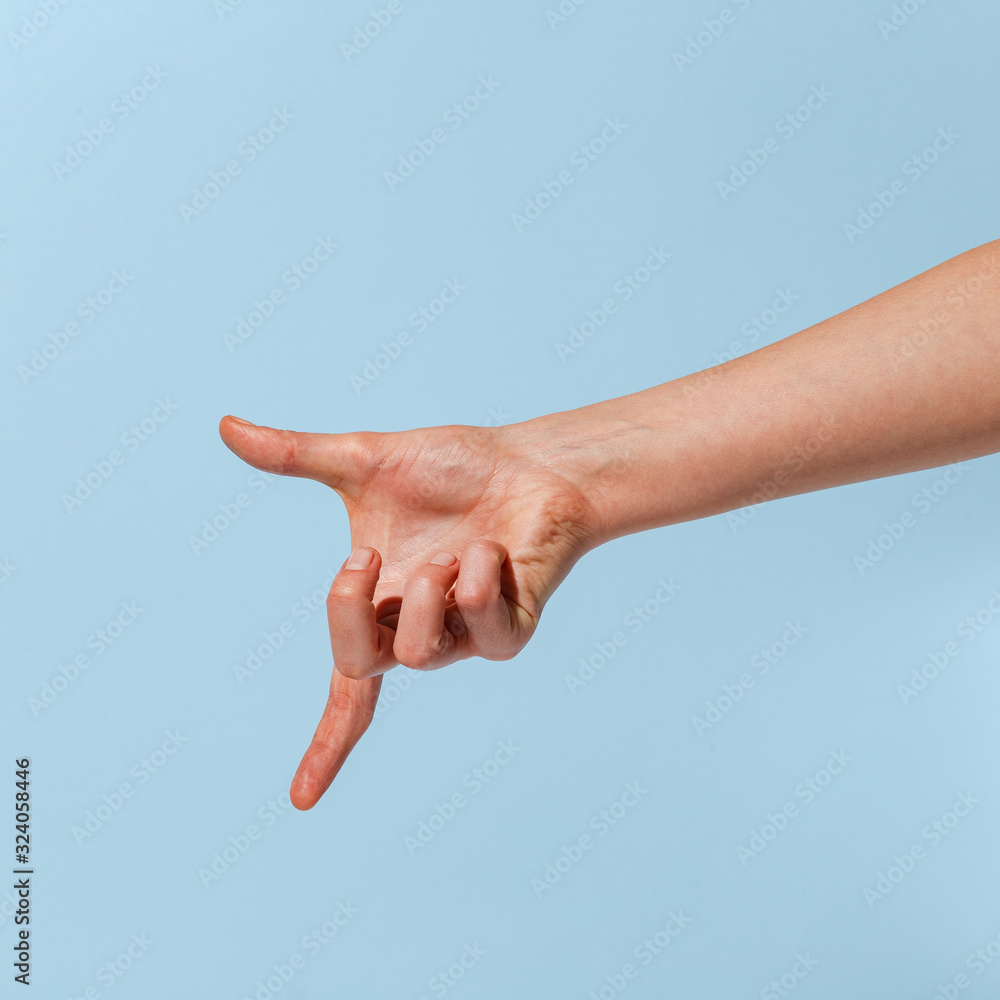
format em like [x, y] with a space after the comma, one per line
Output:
[907, 380]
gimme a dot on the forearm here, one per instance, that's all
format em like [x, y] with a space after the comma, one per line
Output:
[908, 380]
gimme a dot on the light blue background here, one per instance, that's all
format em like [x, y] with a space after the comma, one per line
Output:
[491, 357]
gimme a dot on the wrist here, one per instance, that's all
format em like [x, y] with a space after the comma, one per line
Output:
[606, 452]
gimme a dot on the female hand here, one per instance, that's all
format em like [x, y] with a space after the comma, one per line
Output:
[459, 537]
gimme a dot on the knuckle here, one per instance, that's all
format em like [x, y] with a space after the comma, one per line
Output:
[324, 745]
[288, 460]
[475, 597]
[339, 702]
[352, 670]
[418, 660]
[503, 651]
[420, 586]
[342, 594]
[508, 654]
[415, 656]
[485, 547]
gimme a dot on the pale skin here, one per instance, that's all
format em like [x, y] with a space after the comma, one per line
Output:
[461, 534]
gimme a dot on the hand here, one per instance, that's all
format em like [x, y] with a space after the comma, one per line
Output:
[459, 534]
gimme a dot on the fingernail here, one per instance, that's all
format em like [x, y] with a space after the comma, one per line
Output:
[240, 420]
[361, 558]
[443, 559]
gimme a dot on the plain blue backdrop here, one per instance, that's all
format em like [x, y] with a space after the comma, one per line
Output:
[695, 94]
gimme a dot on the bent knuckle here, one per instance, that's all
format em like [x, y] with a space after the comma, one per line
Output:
[351, 669]
[505, 650]
[486, 546]
[417, 656]
[421, 586]
[475, 597]
[341, 596]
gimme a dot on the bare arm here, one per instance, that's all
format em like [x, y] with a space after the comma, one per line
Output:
[908, 380]
[461, 534]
